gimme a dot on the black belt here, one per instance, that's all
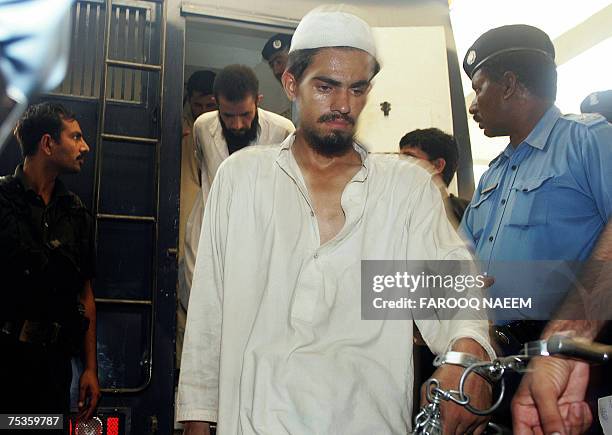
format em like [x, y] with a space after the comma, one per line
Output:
[42, 333]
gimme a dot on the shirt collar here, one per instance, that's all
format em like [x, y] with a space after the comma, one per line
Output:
[539, 135]
[58, 191]
[538, 138]
[354, 195]
[285, 149]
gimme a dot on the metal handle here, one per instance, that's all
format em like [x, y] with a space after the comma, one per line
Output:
[591, 352]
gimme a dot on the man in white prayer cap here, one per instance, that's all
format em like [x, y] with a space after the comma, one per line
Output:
[275, 342]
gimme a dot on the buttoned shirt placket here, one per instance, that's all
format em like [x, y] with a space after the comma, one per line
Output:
[353, 203]
[509, 164]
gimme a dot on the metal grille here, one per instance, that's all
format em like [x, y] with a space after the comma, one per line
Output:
[86, 51]
[133, 30]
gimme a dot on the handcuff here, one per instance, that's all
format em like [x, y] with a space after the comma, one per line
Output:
[467, 360]
[491, 371]
[428, 420]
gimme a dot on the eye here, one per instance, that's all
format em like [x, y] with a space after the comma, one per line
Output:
[358, 91]
[324, 88]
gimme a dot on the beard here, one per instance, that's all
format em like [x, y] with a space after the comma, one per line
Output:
[334, 144]
[237, 141]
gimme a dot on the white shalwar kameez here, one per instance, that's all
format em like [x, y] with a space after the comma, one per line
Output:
[210, 151]
[275, 343]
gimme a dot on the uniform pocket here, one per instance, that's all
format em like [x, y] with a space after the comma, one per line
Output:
[480, 210]
[530, 206]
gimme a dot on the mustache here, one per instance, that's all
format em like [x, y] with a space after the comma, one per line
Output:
[336, 116]
[239, 130]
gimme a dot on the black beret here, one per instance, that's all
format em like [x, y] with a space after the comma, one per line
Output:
[278, 42]
[598, 102]
[505, 39]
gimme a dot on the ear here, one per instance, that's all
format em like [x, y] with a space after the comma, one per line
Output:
[439, 164]
[45, 145]
[290, 85]
[510, 83]
[260, 98]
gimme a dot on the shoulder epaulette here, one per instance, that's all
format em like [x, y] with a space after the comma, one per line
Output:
[587, 119]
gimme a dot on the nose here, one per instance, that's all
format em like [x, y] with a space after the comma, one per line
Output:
[84, 147]
[473, 108]
[278, 68]
[341, 102]
[237, 123]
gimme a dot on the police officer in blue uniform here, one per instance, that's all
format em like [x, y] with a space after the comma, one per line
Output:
[546, 198]
[47, 310]
[548, 195]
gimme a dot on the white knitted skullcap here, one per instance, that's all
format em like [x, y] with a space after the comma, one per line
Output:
[333, 26]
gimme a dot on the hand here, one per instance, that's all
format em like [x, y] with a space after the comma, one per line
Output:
[456, 419]
[551, 398]
[89, 394]
[196, 428]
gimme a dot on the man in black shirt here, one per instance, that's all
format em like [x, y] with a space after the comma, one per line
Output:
[47, 309]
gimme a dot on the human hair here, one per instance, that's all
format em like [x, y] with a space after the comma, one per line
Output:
[535, 71]
[300, 60]
[437, 145]
[202, 82]
[38, 120]
[235, 83]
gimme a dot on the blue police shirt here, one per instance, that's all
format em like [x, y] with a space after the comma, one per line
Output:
[547, 199]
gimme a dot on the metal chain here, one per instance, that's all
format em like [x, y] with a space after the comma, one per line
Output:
[429, 422]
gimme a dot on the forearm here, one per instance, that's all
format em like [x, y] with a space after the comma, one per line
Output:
[587, 306]
[89, 340]
[580, 328]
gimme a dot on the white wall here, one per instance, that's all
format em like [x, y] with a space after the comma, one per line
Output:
[414, 79]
